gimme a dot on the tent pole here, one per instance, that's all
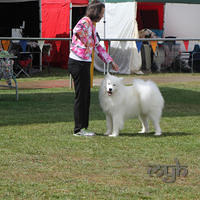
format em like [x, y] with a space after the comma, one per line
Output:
[40, 29]
[104, 21]
[164, 19]
[70, 35]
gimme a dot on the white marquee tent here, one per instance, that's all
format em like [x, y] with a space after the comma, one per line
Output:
[180, 20]
[120, 23]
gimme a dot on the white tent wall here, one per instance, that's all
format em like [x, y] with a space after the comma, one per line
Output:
[120, 23]
[182, 21]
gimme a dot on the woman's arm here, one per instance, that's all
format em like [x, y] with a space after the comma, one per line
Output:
[105, 57]
[81, 31]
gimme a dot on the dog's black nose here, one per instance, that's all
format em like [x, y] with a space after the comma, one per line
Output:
[110, 89]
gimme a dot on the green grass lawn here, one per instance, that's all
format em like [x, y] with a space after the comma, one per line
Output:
[41, 159]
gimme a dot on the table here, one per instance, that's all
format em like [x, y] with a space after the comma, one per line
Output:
[6, 71]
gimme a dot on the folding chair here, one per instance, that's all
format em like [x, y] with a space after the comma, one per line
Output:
[24, 61]
[46, 55]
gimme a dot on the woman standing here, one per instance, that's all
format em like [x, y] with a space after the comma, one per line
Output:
[84, 40]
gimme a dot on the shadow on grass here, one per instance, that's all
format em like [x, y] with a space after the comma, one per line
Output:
[56, 105]
[151, 134]
[182, 96]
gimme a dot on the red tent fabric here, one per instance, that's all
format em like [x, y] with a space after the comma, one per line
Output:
[79, 2]
[56, 24]
[150, 15]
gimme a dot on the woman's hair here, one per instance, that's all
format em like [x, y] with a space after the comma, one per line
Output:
[94, 9]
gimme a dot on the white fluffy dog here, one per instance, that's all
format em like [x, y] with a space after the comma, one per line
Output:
[120, 102]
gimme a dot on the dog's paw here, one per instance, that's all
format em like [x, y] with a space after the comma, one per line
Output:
[158, 133]
[141, 132]
[144, 131]
[113, 135]
[107, 133]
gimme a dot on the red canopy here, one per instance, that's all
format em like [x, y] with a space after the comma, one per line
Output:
[79, 2]
[150, 15]
[56, 24]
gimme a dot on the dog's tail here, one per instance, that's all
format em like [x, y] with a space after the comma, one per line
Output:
[148, 92]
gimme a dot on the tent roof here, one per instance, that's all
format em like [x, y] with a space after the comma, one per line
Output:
[15, 1]
[79, 2]
[171, 1]
[75, 2]
[161, 1]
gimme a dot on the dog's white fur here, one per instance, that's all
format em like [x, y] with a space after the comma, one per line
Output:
[120, 102]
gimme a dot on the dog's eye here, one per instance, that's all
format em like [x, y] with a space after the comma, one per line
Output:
[114, 84]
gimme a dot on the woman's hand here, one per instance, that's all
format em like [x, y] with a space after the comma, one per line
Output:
[115, 66]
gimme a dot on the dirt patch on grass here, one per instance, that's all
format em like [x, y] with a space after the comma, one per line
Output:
[43, 84]
[161, 78]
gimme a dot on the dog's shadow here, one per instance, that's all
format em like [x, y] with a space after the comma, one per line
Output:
[150, 134]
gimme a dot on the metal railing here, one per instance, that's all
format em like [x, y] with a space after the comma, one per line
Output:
[106, 39]
[109, 40]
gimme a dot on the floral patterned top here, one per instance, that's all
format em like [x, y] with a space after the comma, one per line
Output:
[84, 35]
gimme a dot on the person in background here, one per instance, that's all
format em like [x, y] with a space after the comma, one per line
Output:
[84, 40]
